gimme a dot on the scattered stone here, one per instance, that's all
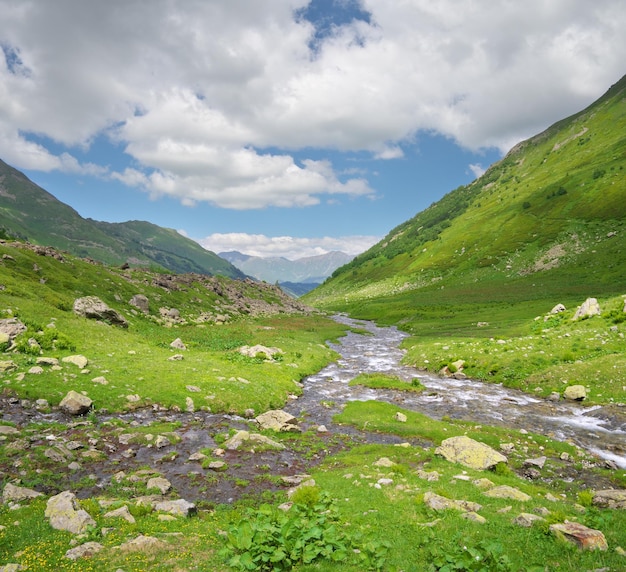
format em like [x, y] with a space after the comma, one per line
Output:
[178, 344]
[474, 517]
[507, 492]
[7, 365]
[469, 453]
[47, 361]
[538, 462]
[121, 512]
[431, 476]
[65, 513]
[384, 462]
[8, 430]
[13, 493]
[159, 483]
[610, 498]
[101, 380]
[277, 420]
[260, 351]
[36, 370]
[93, 308]
[554, 396]
[483, 483]
[217, 466]
[12, 327]
[527, 519]
[176, 357]
[179, 507]
[143, 544]
[437, 502]
[78, 360]
[295, 479]
[84, 550]
[322, 429]
[400, 417]
[161, 441]
[190, 406]
[193, 388]
[575, 392]
[585, 538]
[197, 456]
[76, 403]
[558, 309]
[140, 302]
[587, 309]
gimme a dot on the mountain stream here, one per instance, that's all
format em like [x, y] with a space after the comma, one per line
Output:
[599, 430]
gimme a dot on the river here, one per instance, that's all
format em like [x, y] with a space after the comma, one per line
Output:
[599, 430]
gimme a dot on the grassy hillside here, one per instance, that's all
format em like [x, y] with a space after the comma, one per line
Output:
[28, 212]
[40, 290]
[543, 225]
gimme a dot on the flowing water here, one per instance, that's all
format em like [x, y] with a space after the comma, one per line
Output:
[600, 430]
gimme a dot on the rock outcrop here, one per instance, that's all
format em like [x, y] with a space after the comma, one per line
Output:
[93, 308]
[65, 514]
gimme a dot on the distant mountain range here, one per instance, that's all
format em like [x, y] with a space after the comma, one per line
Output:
[296, 276]
[28, 212]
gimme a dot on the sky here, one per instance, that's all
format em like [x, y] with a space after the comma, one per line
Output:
[287, 127]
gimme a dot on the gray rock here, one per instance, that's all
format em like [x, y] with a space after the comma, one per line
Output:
[140, 302]
[610, 498]
[143, 544]
[575, 392]
[84, 550]
[12, 327]
[527, 519]
[469, 453]
[587, 309]
[558, 309]
[277, 420]
[583, 537]
[76, 403]
[13, 493]
[78, 360]
[438, 503]
[180, 507]
[93, 308]
[178, 344]
[65, 514]
[121, 512]
[159, 483]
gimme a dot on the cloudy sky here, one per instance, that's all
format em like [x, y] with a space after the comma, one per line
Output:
[287, 127]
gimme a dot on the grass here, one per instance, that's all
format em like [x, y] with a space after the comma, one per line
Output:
[383, 381]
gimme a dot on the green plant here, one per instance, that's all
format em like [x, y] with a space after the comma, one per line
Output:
[271, 539]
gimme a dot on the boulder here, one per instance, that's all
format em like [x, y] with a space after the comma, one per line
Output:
[76, 403]
[527, 519]
[583, 537]
[121, 512]
[144, 544]
[179, 507]
[65, 514]
[140, 302]
[84, 550]
[178, 344]
[12, 327]
[159, 483]
[13, 493]
[587, 309]
[558, 309]
[575, 392]
[469, 453]
[277, 420]
[95, 309]
[260, 351]
[610, 498]
[78, 360]
[438, 503]
[507, 492]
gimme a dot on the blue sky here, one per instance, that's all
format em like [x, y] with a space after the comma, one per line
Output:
[287, 127]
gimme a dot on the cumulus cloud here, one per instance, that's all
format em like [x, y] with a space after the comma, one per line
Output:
[477, 169]
[288, 247]
[211, 100]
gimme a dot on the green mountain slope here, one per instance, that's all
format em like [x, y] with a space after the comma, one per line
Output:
[546, 223]
[30, 213]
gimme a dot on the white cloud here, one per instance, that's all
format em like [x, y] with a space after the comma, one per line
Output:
[211, 99]
[477, 169]
[286, 246]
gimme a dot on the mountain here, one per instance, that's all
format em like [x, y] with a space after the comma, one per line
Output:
[307, 270]
[545, 224]
[28, 212]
